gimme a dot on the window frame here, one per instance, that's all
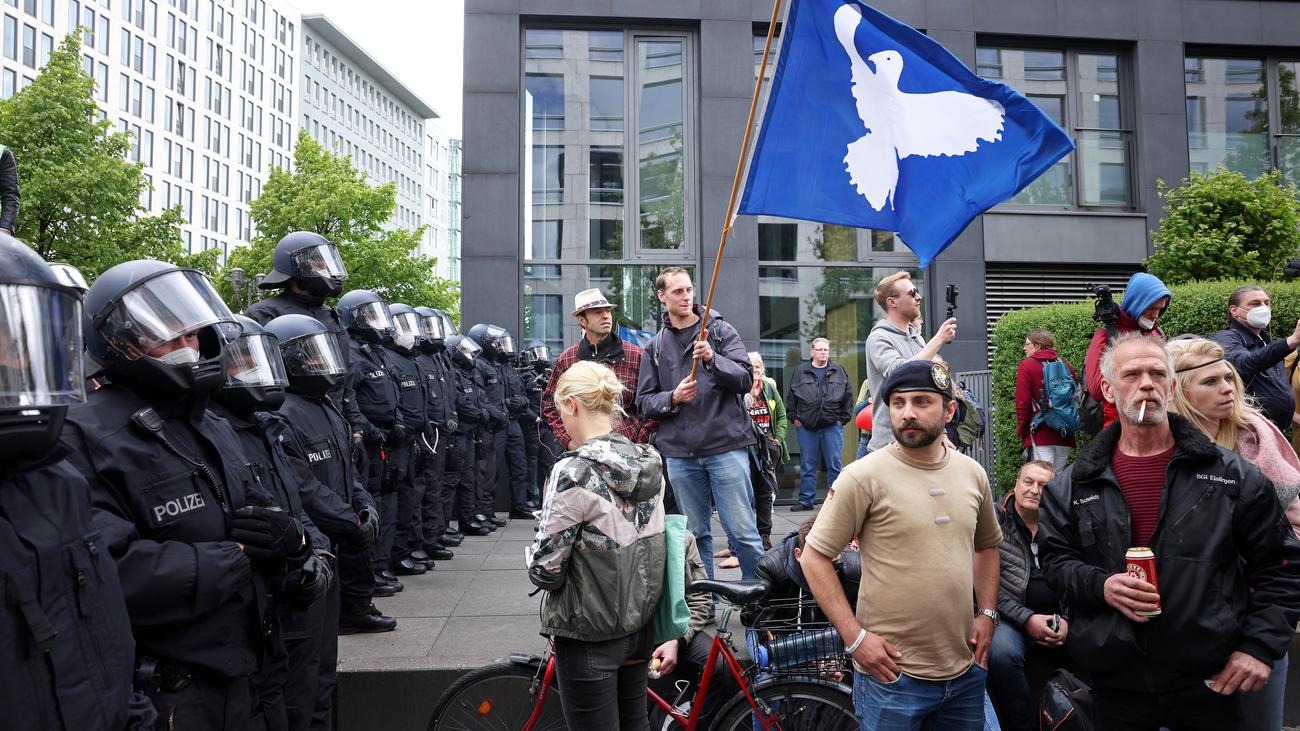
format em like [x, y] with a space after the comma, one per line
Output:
[634, 252]
[1272, 62]
[1072, 122]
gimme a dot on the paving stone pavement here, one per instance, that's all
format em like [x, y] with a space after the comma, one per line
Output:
[475, 609]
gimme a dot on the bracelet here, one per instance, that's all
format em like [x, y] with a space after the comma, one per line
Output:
[856, 643]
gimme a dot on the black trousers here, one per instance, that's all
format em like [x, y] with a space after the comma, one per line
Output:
[410, 498]
[598, 689]
[327, 648]
[356, 579]
[485, 489]
[548, 451]
[763, 477]
[691, 659]
[209, 702]
[516, 461]
[396, 470]
[532, 446]
[305, 636]
[460, 478]
[434, 508]
[1196, 708]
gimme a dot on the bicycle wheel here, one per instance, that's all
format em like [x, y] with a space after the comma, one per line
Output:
[496, 698]
[797, 705]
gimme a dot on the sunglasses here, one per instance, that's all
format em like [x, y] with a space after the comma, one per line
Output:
[910, 293]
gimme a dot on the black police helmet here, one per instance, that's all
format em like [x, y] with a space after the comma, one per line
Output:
[309, 259]
[495, 341]
[255, 376]
[433, 326]
[406, 323]
[312, 357]
[142, 320]
[539, 351]
[463, 350]
[365, 315]
[40, 352]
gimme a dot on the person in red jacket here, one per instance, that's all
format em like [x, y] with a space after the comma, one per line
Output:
[1145, 299]
[1044, 443]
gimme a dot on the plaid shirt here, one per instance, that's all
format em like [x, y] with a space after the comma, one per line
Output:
[627, 368]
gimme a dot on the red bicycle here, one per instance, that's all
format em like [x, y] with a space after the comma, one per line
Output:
[795, 685]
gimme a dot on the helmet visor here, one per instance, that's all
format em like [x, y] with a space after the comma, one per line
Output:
[468, 348]
[507, 344]
[70, 276]
[540, 352]
[407, 323]
[254, 360]
[163, 308]
[373, 315]
[433, 328]
[313, 355]
[448, 326]
[322, 260]
[40, 347]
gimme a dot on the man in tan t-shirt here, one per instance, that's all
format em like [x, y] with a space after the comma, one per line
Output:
[924, 518]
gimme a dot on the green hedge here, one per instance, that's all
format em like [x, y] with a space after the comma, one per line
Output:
[1199, 307]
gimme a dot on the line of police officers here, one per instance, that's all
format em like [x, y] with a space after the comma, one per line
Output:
[186, 529]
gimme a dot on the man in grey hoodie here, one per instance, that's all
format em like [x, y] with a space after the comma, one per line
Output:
[704, 429]
[894, 341]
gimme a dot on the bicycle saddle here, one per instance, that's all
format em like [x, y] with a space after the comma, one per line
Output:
[736, 592]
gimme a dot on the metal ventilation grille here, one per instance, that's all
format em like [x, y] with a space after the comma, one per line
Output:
[1015, 287]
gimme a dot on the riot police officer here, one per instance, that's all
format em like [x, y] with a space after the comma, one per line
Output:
[338, 504]
[440, 410]
[402, 553]
[194, 537]
[461, 472]
[535, 373]
[369, 323]
[253, 391]
[68, 650]
[511, 450]
[493, 339]
[309, 270]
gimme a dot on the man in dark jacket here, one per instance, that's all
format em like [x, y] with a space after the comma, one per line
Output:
[8, 191]
[1228, 565]
[1256, 356]
[1044, 443]
[819, 404]
[704, 429]
[1030, 611]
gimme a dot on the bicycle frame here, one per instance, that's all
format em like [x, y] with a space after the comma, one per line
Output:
[721, 648]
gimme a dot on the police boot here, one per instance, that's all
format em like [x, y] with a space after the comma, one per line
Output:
[408, 567]
[499, 522]
[371, 621]
[422, 557]
[438, 553]
[474, 528]
[451, 539]
[521, 514]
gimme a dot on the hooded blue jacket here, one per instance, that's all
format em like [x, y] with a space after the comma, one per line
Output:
[1143, 290]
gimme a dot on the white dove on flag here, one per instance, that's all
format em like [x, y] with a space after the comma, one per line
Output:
[900, 124]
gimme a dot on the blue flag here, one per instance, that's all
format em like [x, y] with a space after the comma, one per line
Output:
[871, 124]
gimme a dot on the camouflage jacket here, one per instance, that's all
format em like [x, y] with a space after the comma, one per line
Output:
[599, 553]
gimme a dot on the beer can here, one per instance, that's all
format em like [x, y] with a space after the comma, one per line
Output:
[1142, 566]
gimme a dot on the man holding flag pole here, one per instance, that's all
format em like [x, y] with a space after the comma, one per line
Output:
[871, 124]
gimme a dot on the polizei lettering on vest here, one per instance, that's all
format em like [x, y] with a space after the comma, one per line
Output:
[176, 506]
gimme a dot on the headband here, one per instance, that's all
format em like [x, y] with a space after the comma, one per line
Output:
[1192, 368]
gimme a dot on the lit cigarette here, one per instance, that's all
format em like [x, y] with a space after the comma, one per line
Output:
[1142, 413]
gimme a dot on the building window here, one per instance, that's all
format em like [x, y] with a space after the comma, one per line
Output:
[1086, 93]
[1231, 120]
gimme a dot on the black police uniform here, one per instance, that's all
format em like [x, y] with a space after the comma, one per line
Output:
[165, 478]
[440, 393]
[68, 652]
[533, 388]
[492, 435]
[511, 448]
[375, 394]
[396, 544]
[289, 303]
[461, 471]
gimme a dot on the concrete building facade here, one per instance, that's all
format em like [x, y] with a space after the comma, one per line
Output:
[610, 130]
[442, 202]
[206, 89]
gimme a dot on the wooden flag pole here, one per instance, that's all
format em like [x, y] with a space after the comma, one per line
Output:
[735, 182]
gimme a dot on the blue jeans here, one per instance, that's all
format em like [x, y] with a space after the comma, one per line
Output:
[814, 445]
[907, 703]
[863, 441]
[1264, 711]
[724, 477]
[1007, 682]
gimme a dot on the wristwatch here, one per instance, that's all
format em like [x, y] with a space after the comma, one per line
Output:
[991, 614]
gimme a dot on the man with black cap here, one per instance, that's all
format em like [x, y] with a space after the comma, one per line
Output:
[67, 661]
[924, 518]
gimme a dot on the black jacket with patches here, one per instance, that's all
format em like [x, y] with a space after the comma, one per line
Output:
[1227, 564]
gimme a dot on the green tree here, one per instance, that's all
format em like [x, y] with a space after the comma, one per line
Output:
[1219, 225]
[325, 194]
[80, 195]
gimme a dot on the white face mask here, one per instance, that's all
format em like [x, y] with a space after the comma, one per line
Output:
[1146, 323]
[404, 340]
[247, 376]
[180, 356]
[1259, 317]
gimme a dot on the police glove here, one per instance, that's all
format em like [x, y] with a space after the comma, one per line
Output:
[358, 443]
[368, 530]
[400, 434]
[451, 426]
[313, 579]
[267, 534]
[376, 436]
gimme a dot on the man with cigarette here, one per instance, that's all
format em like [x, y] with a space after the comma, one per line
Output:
[1178, 649]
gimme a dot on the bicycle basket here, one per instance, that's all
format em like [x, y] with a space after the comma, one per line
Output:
[792, 637]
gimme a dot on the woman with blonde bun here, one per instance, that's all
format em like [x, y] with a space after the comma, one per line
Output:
[1209, 392]
[599, 554]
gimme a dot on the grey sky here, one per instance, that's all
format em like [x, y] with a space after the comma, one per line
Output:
[419, 41]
